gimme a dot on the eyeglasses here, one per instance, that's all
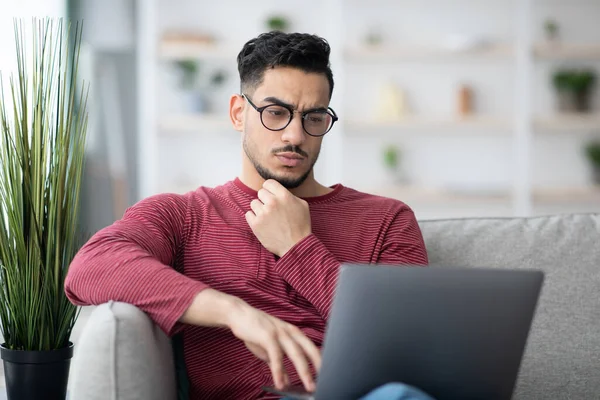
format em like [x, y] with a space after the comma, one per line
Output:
[276, 117]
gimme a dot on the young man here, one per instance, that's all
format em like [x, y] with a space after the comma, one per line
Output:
[247, 270]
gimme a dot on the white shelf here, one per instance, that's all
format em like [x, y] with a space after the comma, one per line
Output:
[567, 51]
[416, 53]
[194, 123]
[182, 50]
[568, 123]
[541, 196]
[487, 124]
[550, 196]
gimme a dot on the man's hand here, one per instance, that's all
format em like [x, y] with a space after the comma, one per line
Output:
[269, 339]
[278, 218]
[266, 337]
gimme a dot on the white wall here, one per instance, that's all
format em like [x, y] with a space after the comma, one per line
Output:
[480, 158]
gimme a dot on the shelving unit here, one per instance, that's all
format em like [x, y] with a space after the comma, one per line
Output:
[567, 51]
[511, 125]
[568, 122]
[421, 53]
[486, 125]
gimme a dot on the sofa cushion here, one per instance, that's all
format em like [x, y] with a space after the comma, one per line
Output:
[122, 355]
[562, 357]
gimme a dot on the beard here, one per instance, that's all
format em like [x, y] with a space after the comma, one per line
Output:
[286, 182]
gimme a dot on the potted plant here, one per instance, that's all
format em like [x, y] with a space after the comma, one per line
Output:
[574, 89]
[43, 122]
[278, 23]
[592, 152]
[391, 161]
[192, 100]
[551, 29]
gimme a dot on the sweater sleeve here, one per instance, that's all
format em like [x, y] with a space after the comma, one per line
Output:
[133, 261]
[312, 270]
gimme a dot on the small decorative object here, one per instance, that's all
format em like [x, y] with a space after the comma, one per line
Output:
[465, 101]
[592, 152]
[392, 103]
[373, 37]
[189, 73]
[574, 89]
[551, 30]
[392, 163]
[191, 98]
[278, 23]
[43, 123]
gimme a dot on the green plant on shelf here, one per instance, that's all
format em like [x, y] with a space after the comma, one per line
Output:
[575, 81]
[551, 29]
[592, 152]
[391, 157]
[278, 23]
[189, 73]
[574, 87]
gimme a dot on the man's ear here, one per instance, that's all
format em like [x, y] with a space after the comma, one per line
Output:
[236, 112]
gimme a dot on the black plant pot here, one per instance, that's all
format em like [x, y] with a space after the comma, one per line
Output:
[37, 375]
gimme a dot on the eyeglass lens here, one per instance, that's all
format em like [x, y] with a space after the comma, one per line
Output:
[277, 117]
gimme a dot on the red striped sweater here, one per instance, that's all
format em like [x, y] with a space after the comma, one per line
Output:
[168, 247]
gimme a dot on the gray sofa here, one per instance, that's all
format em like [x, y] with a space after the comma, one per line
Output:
[121, 355]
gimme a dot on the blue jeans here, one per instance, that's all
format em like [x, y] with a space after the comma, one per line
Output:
[395, 391]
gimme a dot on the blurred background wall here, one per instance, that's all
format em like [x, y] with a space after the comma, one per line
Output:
[457, 107]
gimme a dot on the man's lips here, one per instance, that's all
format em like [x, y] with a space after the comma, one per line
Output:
[289, 159]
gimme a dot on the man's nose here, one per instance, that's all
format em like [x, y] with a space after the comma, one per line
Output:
[294, 133]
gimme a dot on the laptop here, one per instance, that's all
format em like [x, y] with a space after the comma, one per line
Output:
[454, 333]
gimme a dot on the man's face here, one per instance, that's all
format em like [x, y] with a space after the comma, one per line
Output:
[289, 155]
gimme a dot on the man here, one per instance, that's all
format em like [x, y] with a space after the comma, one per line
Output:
[247, 270]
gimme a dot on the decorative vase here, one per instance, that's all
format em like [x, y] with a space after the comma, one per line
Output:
[582, 101]
[37, 375]
[566, 101]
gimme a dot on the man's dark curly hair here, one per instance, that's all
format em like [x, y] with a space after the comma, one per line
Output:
[309, 53]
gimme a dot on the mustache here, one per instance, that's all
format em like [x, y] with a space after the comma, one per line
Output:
[291, 149]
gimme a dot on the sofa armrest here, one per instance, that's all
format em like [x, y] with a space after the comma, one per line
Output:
[122, 355]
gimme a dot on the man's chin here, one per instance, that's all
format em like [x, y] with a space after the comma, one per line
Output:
[289, 179]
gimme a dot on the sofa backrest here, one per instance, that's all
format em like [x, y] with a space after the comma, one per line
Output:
[562, 358]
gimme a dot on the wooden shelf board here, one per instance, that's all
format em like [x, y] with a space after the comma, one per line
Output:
[568, 122]
[567, 51]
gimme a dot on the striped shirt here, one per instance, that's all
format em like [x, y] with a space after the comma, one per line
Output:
[168, 247]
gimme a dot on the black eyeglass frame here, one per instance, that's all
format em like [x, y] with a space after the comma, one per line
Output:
[303, 115]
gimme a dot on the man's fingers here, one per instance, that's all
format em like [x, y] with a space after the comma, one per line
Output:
[276, 364]
[276, 188]
[298, 358]
[312, 351]
[256, 206]
[265, 196]
[250, 217]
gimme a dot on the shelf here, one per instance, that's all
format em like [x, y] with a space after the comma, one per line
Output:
[421, 196]
[411, 123]
[414, 53]
[194, 123]
[568, 122]
[541, 196]
[181, 50]
[567, 51]
[572, 195]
